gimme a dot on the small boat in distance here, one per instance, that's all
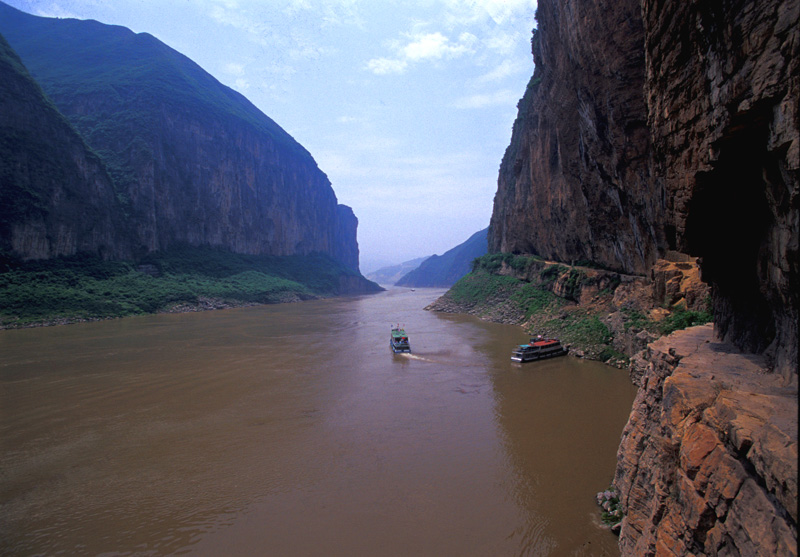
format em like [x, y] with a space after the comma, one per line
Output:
[538, 349]
[398, 341]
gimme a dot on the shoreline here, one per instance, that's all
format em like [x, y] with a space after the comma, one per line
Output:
[203, 304]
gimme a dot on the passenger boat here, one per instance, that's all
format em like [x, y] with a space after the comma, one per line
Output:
[398, 341]
[538, 349]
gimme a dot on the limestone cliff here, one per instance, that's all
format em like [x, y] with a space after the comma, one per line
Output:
[577, 183]
[722, 89]
[194, 161]
[56, 197]
[650, 126]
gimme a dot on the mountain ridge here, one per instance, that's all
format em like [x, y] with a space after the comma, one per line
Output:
[445, 270]
[44, 161]
[192, 161]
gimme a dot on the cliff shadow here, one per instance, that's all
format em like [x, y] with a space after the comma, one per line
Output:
[731, 226]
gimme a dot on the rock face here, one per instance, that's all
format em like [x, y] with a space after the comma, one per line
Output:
[722, 88]
[666, 125]
[577, 181]
[56, 197]
[194, 162]
[708, 459]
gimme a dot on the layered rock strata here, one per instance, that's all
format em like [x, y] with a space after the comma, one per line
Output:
[658, 125]
[708, 460]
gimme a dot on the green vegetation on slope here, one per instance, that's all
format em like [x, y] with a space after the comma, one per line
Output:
[678, 318]
[532, 303]
[117, 88]
[86, 287]
[506, 298]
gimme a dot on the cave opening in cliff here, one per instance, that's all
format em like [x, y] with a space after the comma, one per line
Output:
[727, 226]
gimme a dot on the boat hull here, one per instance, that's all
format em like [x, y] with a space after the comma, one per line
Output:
[532, 357]
[399, 349]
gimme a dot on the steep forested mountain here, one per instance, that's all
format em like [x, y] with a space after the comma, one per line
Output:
[56, 197]
[446, 269]
[192, 161]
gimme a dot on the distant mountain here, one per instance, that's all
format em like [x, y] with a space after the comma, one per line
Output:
[192, 161]
[393, 273]
[445, 270]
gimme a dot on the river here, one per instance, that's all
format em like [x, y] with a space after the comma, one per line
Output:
[293, 430]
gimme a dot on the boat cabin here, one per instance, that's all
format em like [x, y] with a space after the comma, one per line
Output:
[399, 340]
[538, 348]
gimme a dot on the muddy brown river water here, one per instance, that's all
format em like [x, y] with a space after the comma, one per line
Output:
[293, 430]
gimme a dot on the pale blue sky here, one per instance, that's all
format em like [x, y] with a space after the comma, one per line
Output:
[406, 106]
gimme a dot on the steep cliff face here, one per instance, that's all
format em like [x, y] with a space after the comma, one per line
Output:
[577, 182]
[196, 162]
[723, 86]
[345, 243]
[56, 197]
[659, 125]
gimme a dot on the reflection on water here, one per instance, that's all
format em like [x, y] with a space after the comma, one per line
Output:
[294, 430]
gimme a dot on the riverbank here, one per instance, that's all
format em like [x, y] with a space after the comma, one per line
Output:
[202, 304]
[707, 463]
[600, 314]
[86, 288]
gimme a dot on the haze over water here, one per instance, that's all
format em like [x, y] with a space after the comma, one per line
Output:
[293, 430]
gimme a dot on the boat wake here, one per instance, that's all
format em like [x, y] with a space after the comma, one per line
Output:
[414, 357]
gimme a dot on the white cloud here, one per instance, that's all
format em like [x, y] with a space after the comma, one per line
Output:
[501, 42]
[506, 97]
[506, 68]
[328, 12]
[54, 10]
[234, 68]
[421, 47]
[239, 20]
[482, 29]
[383, 66]
[436, 46]
[466, 12]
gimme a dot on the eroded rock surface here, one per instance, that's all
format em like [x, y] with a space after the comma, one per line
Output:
[576, 183]
[722, 87]
[708, 459]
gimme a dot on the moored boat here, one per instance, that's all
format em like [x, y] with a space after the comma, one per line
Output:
[538, 349]
[398, 341]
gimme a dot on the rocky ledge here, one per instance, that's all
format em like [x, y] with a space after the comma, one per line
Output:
[708, 460]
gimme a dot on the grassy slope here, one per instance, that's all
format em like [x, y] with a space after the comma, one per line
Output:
[490, 295]
[85, 287]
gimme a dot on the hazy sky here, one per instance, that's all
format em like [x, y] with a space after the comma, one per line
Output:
[406, 106]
